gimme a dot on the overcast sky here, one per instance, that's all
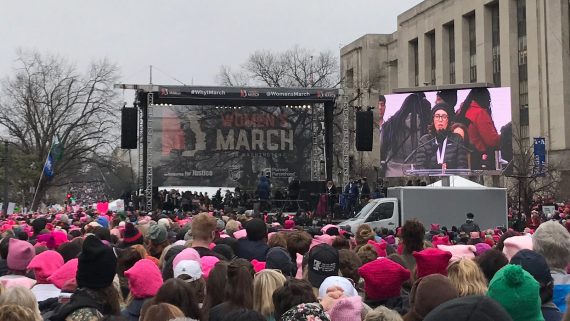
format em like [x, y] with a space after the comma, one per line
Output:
[186, 39]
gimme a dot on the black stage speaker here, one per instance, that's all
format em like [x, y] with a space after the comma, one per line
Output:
[364, 130]
[129, 128]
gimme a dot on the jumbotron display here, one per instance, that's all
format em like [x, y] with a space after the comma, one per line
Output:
[450, 131]
[205, 145]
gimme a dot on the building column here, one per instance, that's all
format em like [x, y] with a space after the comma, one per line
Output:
[422, 54]
[509, 55]
[461, 50]
[535, 73]
[441, 56]
[484, 45]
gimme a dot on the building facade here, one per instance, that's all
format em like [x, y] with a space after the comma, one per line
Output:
[521, 44]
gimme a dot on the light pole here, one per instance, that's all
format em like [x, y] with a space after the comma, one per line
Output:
[6, 171]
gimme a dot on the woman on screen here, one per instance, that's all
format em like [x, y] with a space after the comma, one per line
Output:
[475, 113]
[401, 133]
[441, 148]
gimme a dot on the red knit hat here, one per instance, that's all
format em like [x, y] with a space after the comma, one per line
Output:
[144, 279]
[431, 261]
[383, 278]
[45, 264]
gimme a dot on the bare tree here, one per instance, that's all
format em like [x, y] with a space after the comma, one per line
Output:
[528, 182]
[226, 77]
[47, 98]
[296, 67]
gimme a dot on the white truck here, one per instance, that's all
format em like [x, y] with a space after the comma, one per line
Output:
[446, 206]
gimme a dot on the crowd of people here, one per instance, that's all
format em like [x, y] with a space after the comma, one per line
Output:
[210, 267]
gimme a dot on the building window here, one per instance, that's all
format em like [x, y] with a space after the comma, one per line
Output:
[431, 42]
[415, 62]
[522, 68]
[350, 78]
[451, 38]
[472, 48]
[496, 44]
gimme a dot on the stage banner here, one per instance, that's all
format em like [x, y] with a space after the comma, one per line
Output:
[204, 145]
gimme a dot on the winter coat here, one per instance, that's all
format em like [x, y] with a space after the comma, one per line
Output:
[81, 307]
[455, 155]
[263, 188]
[561, 288]
[250, 250]
[132, 311]
[469, 227]
[481, 129]
[550, 312]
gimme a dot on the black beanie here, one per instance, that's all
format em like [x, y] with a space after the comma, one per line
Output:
[449, 96]
[470, 308]
[442, 106]
[256, 230]
[69, 250]
[132, 235]
[97, 264]
[38, 225]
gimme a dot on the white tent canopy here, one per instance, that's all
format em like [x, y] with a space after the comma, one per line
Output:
[457, 181]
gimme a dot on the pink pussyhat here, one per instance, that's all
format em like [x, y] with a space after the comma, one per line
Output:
[45, 264]
[64, 274]
[208, 263]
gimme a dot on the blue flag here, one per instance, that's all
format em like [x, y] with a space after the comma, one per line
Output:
[48, 166]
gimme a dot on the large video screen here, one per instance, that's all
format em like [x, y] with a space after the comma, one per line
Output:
[230, 146]
[464, 132]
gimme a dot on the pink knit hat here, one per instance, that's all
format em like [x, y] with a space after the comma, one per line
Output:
[322, 239]
[515, 244]
[440, 240]
[144, 278]
[9, 281]
[431, 261]
[186, 254]
[383, 278]
[20, 253]
[459, 251]
[208, 263]
[325, 228]
[258, 265]
[45, 264]
[482, 248]
[347, 309]
[289, 224]
[240, 234]
[64, 274]
[380, 247]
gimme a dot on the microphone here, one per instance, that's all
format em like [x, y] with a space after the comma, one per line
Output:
[417, 148]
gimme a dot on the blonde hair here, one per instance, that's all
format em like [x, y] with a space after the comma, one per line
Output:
[16, 312]
[21, 296]
[231, 227]
[467, 277]
[203, 225]
[382, 313]
[265, 283]
[140, 249]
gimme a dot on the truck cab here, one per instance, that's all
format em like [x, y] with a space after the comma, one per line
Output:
[378, 213]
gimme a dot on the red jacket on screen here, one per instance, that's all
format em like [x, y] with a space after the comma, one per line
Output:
[482, 132]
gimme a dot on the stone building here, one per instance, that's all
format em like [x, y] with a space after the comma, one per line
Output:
[521, 44]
